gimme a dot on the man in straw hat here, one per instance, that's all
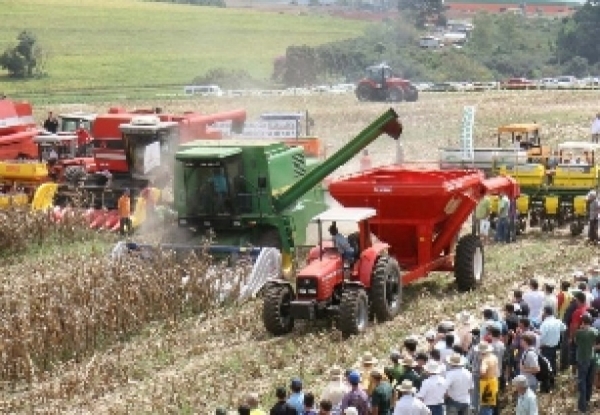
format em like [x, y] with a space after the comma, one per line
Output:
[433, 388]
[381, 398]
[459, 384]
[367, 364]
[335, 390]
[488, 378]
[408, 404]
[526, 401]
[464, 325]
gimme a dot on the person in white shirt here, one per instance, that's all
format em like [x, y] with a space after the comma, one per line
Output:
[408, 404]
[534, 298]
[526, 399]
[459, 384]
[335, 390]
[596, 129]
[433, 388]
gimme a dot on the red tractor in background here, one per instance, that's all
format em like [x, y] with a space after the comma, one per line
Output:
[380, 84]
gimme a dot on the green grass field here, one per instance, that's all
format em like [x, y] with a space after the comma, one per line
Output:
[95, 44]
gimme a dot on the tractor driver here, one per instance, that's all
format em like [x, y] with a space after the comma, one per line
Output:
[220, 188]
[341, 244]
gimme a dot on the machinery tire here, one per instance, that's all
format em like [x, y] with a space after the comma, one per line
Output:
[74, 174]
[544, 226]
[354, 311]
[468, 263]
[411, 94]
[522, 227]
[364, 93]
[395, 94]
[274, 315]
[386, 289]
[575, 228]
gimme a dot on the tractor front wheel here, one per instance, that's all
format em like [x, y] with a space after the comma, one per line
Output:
[468, 263]
[576, 228]
[364, 93]
[276, 313]
[411, 94]
[354, 311]
[386, 289]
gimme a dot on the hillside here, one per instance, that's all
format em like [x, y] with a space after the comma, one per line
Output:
[96, 44]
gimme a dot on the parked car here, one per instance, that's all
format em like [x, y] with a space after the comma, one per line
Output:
[548, 83]
[443, 87]
[566, 82]
[518, 83]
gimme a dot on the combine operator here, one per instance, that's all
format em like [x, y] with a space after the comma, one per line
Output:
[341, 243]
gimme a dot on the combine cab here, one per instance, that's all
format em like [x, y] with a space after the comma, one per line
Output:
[381, 85]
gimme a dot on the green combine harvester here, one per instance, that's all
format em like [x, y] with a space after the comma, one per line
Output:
[254, 194]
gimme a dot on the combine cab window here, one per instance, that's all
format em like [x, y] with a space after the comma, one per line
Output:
[146, 152]
[215, 188]
[70, 125]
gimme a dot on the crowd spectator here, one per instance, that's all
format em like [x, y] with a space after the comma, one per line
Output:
[356, 397]
[410, 346]
[381, 398]
[282, 407]
[550, 299]
[309, 404]
[526, 399]
[464, 337]
[51, 123]
[335, 389]
[409, 372]
[422, 360]
[253, 403]
[586, 342]
[433, 388]
[368, 363]
[459, 384]
[296, 398]
[325, 407]
[551, 331]
[563, 298]
[528, 365]
[407, 402]
[488, 378]
[534, 298]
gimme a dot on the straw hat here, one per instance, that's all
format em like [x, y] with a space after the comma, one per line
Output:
[520, 380]
[456, 359]
[406, 386]
[412, 338]
[408, 361]
[336, 373]
[433, 368]
[430, 335]
[484, 347]
[368, 359]
[465, 318]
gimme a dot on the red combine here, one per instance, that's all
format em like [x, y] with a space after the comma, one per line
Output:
[17, 129]
[408, 222]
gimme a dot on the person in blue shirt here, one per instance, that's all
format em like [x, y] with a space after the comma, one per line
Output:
[341, 243]
[296, 398]
[220, 188]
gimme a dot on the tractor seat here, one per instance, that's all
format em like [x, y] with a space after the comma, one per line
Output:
[353, 240]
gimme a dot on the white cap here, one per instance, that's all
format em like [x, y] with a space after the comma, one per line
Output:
[351, 411]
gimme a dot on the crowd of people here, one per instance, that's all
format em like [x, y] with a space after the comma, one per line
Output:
[466, 366]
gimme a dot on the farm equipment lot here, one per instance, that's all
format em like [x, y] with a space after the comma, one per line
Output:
[179, 365]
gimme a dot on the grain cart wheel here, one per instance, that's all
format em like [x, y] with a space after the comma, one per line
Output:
[74, 174]
[386, 289]
[395, 94]
[276, 309]
[364, 93]
[468, 263]
[354, 311]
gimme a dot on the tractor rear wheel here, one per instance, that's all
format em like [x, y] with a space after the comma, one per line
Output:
[468, 262]
[411, 94]
[276, 313]
[576, 228]
[395, 94]
[386, 289]
[74, 174]
[354, 311]
[364, 93]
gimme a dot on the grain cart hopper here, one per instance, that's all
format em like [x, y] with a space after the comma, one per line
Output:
[416, 216]
[253, 194]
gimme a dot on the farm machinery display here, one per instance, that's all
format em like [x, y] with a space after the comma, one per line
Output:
[380, 84]
[416, 216]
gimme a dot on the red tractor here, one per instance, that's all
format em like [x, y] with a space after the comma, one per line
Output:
[381, 85]
[348, 290]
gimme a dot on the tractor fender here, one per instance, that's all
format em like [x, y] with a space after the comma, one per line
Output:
[367, 261]
[279, 282]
